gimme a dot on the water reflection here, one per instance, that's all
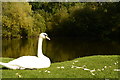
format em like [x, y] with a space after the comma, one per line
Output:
[18, 47]
[57, 50]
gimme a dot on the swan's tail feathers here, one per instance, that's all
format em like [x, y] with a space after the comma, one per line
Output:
[10, 66]
[1, 63]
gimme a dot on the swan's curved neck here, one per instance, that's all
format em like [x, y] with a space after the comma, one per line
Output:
[40, 54]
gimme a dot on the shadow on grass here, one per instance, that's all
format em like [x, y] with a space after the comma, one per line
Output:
[4, 68]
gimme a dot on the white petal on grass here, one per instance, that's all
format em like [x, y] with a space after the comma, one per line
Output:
[103, 69]
[17, 73]
[92, 73]
[62, 67]
[48, 71]
[72, 66]
[19, 76]
[76, 61]
[86, 69]
[116, 69]
[73, 63]
[115, 63]
[105, 66]
[78, 67]
[98, 69]
[58, 67]
[92, 70]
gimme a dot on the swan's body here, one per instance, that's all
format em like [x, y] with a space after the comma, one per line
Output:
[31, 62]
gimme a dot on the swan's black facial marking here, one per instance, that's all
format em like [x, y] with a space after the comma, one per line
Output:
[45, 35]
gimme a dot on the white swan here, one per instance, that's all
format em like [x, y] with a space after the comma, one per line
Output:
[31, 62]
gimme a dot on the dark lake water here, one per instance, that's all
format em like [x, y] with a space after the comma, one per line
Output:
[61, 49]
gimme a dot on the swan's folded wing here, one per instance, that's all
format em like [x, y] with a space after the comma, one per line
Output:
[31, 62]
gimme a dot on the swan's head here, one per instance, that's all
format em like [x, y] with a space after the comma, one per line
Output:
[44, 36]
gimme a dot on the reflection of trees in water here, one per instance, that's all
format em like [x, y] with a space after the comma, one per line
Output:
[61, 49]
[67, 49]
[16, 48]
[10, 47]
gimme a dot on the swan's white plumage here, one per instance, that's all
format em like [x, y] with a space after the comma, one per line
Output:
[31, 62]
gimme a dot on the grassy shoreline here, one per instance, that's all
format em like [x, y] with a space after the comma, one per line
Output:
[100, 66]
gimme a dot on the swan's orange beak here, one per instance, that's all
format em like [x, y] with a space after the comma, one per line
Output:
[47, 38]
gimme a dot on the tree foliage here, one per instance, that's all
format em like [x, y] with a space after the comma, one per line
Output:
[93, 19]
[17, 19]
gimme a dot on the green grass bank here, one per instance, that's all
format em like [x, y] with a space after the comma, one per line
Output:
[100, 66]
